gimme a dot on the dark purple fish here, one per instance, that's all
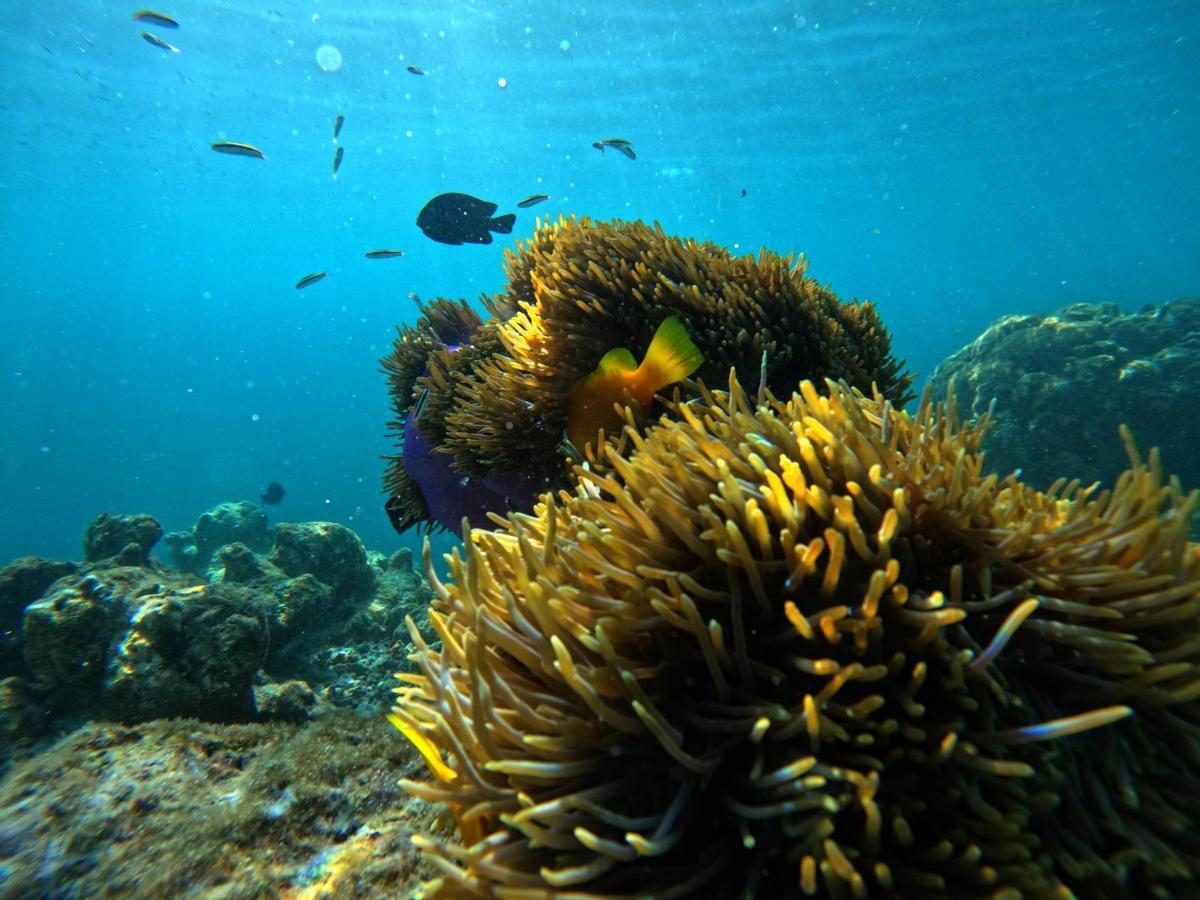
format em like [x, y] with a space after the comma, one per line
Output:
[337, 159]
[416, 70]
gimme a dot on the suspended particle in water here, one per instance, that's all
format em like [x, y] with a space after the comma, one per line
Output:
[502, 83]
[329, 58]
[564, 45]
[254, 418]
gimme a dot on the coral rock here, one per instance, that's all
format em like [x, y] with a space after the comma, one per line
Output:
[290, 701]
[181, 545]
[22, 582]
[331, 553]
[238, 522]
[109, 535]
[188, 653]
[67, 634]
[298, 602]
[240, 565]
[1062, 384]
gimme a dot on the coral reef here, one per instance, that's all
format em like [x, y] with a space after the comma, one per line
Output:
[809, 647]
[131, 640]
[494, 396]
[189, 809]
[1062, 383]
[302, 803]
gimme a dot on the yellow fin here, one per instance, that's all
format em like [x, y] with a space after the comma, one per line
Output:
[425, 747]
[672, 355]
[617, 360]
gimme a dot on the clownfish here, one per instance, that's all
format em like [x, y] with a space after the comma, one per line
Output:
[671, 357]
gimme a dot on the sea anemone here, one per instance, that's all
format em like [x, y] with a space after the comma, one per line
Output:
[807, 648]
[578, 289]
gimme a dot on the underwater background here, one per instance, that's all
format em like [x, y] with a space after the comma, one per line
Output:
[952, 162]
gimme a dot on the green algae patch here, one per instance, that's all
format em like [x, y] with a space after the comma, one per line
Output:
[184, 808]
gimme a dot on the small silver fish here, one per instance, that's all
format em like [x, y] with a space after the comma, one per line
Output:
[619, 144]
[310, 279]
[414, 297]
[150, 17]
[337, 159]
[337, 126]
[233, 148]
[533, 200]
[416, 70]
[158, 42]
[384, 254]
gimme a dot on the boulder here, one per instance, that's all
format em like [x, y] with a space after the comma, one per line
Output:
[331, 553]
[130, 537]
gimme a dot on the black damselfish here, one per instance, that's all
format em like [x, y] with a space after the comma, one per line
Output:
[462, 219]
[273, 494]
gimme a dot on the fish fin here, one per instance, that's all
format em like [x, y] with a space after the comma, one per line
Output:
[617, 360]
[503, 224]
[424, 746]
[672, 355]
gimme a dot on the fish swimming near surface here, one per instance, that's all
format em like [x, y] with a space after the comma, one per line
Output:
[158, 42]
[337, 159]
[462, 219]
[533, 200]
[619, 144]
[384, 254]
[273, 494]
[337, 126]
[233, 148]
[150, 17]
[416, 70]
[671, 357]
[310, 279]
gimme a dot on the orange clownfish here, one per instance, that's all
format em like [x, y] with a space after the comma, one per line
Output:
[671, 357]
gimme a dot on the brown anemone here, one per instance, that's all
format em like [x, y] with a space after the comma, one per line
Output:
[806, 648]
[579, 288]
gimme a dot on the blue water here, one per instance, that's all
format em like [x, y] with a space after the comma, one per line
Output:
[953, 162]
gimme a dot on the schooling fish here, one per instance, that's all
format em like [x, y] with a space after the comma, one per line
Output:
[462, 219]
[158, 42]
[533, 200]
[310, 279]
[337, 126]
[273, 494]
[671, 357]
[619, 144]
[416, 70]
[384, 254]
[337, 159]
[233, 148]
[150, 17]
